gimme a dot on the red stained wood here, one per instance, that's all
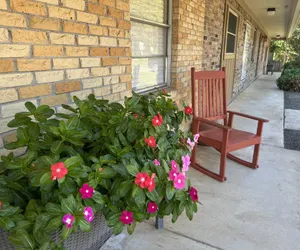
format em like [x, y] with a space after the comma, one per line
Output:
[212, 106]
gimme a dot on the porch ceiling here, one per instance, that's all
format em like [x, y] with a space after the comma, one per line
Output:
[283, 22]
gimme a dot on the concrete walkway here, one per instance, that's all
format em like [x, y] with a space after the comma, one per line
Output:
[253, 210]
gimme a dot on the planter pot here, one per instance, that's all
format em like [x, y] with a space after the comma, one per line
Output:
[92, 240]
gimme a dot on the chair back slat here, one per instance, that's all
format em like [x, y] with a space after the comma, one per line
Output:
[209, 94]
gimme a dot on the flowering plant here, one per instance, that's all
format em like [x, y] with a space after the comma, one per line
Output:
[129, 162]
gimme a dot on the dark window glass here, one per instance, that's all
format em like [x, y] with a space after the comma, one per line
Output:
[230, 43]
[232, 23]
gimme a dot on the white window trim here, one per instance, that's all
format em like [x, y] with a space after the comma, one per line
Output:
[231, 55]
[168, 47]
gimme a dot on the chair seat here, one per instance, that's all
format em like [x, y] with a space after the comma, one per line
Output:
[237, 139]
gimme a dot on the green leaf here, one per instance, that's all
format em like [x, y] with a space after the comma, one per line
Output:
[68, 186]
[175, 216]
[6, 223]
[133, 170]
[69, 205]
[41, 222]
[46, 181]
[53, 209]
[189, 210]
[99, 198]
[24, 224]
[73, 162]
[31, 107]
[8, 210]
[139, 217]
[138, 195]
[170, 190]
[31, 216]
[19, 121]
[131, 227]
[180, 117]
[165, 166]
[113, 219]
[180, 195]
[54, 224]
[45, 246]
[14, 239]
[67, 107]
[124, 188]
[72, 122]
[65, 233]
[26, 239]
[107, 173]
[118, 228]
[84, 225]
[57, 147]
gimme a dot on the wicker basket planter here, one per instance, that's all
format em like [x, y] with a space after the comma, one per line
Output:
[92, 240]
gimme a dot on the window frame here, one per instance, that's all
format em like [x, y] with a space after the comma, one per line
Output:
[231, 55]
[168, 26]
[255, 38]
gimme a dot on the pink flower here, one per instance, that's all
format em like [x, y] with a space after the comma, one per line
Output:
[68, 220]
[191, 144]
[173, 174]
[196, 138]
[174, 165]
[88, 214]
[86, 191]
[152, 207]
[179, 181]
[152, 183]
[164, 91]
[156, 162]
[126, 217]
[194, 194]
[186, 161]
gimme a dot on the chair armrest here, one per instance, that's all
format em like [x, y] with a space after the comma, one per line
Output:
[248, 116]
[212, 123]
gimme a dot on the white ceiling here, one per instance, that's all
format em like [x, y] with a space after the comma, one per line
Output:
[281, 22]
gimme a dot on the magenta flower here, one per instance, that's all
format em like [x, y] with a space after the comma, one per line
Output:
[126, 217]
[194, 194]
[172, 174]
[86, 191]
[174, 165]
[196, 138]
[156, 162]
[68, 220]
[152, 207]
[88, 214]
[179, 181]
[186, 161]
[191, 144]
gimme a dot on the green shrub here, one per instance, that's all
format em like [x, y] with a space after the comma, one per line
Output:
[129, 162]
[289, 80]
[293, 64]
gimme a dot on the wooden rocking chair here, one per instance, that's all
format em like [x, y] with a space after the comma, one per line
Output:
[209, 105]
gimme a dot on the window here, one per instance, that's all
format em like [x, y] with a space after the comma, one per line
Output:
[231, 32]
[150, 39]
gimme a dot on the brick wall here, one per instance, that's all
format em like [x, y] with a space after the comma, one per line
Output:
[213, 34]
[51, 50]
[187, 44]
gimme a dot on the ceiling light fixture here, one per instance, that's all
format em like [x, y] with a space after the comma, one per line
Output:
[271, 11]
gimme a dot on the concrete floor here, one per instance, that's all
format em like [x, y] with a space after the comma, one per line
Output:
[253, 210]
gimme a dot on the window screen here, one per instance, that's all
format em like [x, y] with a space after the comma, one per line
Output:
[149, 35]
[231, 33]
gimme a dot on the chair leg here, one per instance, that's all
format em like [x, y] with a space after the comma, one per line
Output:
[223, 166]
[255, 156]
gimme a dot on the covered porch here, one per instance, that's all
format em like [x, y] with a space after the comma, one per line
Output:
[254, 209]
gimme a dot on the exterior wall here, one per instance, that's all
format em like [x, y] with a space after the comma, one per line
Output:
[213, 34]
[51, 50]
[187, 44]
[212, 43]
